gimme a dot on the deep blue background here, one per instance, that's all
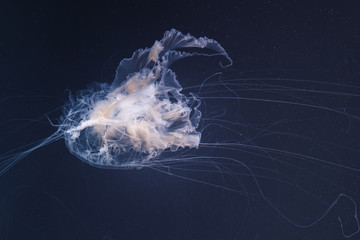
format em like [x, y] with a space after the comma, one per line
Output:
[47, 47]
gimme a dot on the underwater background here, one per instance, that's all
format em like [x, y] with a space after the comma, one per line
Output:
[51, 48]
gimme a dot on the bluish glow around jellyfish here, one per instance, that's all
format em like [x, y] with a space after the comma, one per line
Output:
[146, 118]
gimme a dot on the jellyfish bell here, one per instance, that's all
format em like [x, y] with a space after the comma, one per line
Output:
[142, 113]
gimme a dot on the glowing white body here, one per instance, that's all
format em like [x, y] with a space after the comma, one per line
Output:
[142, 113]
[141, 118]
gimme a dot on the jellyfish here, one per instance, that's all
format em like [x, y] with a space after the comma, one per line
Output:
[146, 119]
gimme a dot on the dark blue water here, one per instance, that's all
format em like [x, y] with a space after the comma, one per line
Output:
[50, 48]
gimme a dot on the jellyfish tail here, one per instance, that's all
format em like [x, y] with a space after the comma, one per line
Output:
[8, 160]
